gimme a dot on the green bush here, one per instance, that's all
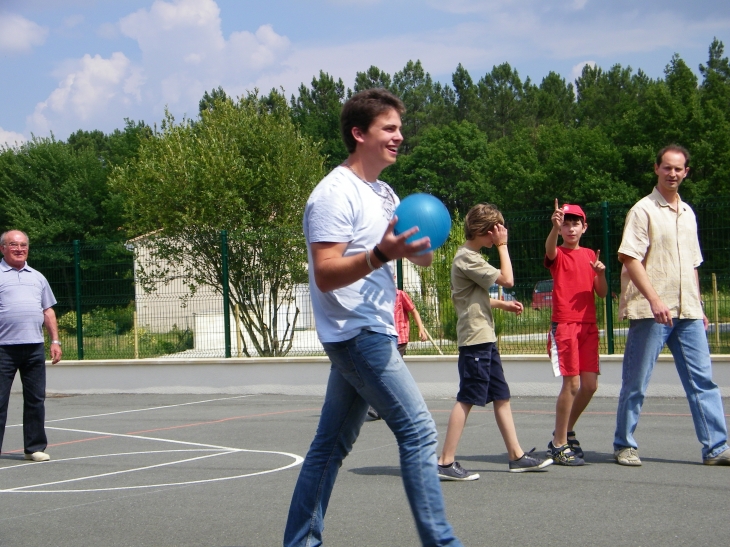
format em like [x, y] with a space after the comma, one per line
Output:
[99, 321]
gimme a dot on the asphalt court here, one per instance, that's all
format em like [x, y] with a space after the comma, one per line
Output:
[217, 470]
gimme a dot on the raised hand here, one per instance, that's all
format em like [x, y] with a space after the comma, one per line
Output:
[558, 216]
[598, 266]
[499, 234]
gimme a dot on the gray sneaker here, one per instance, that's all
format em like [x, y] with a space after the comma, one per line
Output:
[455, 472]
[627, 456]
[723, 458]
[529, 462]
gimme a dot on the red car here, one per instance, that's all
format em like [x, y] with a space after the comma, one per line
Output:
[542, 295]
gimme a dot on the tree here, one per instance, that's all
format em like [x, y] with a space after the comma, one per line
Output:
[553, 101]
[317, 112]
[422, 100]
[535, 166]
[241, 167]
[501, 94]
[467, 99]
[372, 78]
[210, 99]
[449, 162]
[54, 193]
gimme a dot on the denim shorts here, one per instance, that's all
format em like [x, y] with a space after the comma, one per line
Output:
[481, 378]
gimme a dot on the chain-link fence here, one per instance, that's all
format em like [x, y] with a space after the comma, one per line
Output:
[131, 300]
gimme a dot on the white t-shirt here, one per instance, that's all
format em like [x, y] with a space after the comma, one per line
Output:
[344, 209]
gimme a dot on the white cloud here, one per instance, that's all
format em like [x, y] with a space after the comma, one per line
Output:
[10, 138]
[18, 34]
[184, 52]
[89, 89]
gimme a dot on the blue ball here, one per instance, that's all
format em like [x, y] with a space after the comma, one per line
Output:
[429, 214]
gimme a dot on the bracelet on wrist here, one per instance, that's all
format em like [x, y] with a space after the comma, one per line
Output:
[367, 259]
[501, 244]
[380, 255]
[56, 342]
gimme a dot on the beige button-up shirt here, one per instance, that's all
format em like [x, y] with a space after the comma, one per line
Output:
[666, 242]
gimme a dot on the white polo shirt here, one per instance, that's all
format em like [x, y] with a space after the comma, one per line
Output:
[24, 294]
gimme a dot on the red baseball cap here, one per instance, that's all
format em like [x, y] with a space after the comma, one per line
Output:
[574, 210]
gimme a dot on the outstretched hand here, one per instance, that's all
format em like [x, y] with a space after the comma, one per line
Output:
[395, 246]
[598, 266]
[513, 306]
[558, 215]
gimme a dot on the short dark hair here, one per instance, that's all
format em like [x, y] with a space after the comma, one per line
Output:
[673, 148]
[481, 219]
[362, 108]
[574, 218]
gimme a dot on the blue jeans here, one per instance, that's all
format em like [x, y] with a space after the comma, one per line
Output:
[368, 369]
[687, 341]
[30, 360]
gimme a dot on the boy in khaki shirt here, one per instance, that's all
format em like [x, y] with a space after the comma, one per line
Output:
[481, 378]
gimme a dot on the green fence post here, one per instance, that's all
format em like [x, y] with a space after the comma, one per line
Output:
[399, 272]
[607, 261]
[226, 303]
[79, 322]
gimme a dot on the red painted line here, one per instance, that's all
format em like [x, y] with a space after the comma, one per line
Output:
[222, 420]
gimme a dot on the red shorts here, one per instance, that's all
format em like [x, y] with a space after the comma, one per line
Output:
[573, 348]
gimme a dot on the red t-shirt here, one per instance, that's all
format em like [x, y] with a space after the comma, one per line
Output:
[573, 300]
[403, 305]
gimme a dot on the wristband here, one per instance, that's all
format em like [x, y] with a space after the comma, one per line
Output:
[367, 259]
[380, 255]
[500, 244]
[56, 342]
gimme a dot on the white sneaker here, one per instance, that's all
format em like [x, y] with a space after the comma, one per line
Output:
[627, 456]
[38, 457]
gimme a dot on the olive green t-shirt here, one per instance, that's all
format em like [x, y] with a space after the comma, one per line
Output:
[471, 277]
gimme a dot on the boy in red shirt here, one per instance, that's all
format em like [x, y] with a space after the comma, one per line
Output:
[573, 339]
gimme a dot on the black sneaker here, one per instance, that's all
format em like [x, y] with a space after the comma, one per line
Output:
[529, 462]
[563, 455]
[455, 472]
[574, 444]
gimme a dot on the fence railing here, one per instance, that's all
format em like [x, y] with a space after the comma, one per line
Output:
[107, 311]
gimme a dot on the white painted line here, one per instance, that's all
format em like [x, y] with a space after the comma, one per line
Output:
[141, 409]
[224, 450]
[78, 479]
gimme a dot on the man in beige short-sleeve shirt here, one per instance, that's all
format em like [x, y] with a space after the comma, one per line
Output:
[660, 296]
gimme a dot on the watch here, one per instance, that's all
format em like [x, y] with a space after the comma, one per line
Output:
[56, 342]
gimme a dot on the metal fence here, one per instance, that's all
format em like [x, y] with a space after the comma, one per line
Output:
[106, 312]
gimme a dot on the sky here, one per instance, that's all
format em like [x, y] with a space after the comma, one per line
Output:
[89, 64]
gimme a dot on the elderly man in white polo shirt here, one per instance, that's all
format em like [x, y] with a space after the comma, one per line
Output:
[660, 295]
[25, 308]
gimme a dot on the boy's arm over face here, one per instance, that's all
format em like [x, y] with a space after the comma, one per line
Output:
[499, 237]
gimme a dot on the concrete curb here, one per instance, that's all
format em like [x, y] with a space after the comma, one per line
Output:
[436, 375]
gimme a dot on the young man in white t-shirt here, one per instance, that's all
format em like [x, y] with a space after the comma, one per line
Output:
[348, 226]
